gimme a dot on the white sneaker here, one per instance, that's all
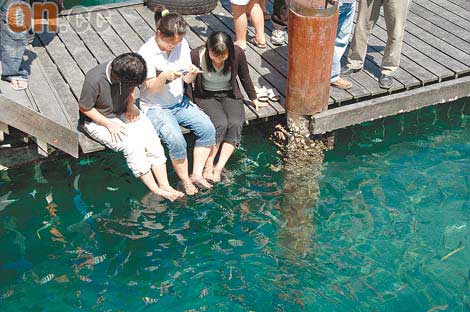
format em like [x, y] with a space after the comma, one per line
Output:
[278, 37]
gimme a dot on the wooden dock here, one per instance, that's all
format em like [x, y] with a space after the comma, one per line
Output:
[435, 68]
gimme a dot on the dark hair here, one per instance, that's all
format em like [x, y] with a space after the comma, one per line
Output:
[171, 24]
[219, 43]
[129, 69]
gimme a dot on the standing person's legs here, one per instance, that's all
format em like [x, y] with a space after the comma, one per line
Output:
[257, 18]
[213, 108]
[167, 127]
[240, 21]
[236, 118]
[395, 13]
[345, 24]
[12, 46]
[279, 19]
[369, 11]
[190, 116]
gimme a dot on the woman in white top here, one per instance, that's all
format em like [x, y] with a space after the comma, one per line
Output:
[169, 66]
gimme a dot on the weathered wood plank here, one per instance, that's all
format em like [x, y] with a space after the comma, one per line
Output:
[44, 95]
[76, 47]
[123, 29]
[63, 60]
[19, 97]
[37, 125]
[142, 29]
[90, 38]
[419, 58]
[440, 21]
[390, 105]
[462, 3]
[447, 14]
[106, 32]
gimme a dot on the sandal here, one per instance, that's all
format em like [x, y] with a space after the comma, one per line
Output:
[254, 42]
[273, 95]
[262, 94]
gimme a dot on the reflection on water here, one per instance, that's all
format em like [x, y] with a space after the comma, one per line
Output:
[385, 227]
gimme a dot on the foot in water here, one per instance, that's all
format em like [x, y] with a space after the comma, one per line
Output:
[171, 196]
[200, 181]
[168, 188]
[208, 173]
[189, 188]
[217, 175]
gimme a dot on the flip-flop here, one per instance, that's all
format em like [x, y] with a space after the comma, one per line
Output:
[273, 95]
[256, 43]
[262, 94]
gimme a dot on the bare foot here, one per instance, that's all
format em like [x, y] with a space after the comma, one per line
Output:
[19, 85]
[201, 182]
[208, 173]
[168, 188]
[166, 194]
[189, 188]
[217, 175]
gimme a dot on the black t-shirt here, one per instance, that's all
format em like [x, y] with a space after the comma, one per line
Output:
[108, 98]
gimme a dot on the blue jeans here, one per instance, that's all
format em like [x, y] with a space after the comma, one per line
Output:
[345, 25]
[12, 44]
[167, 121]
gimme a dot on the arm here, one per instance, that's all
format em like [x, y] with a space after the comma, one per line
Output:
[132, 112]
[244, 74]
[156, 84]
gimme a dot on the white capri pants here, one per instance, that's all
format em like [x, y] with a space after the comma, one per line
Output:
[240, 2]
[141, 147]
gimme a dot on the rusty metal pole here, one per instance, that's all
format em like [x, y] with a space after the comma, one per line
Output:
[312, 33]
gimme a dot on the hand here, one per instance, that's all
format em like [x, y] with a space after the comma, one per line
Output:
[193, 71]
[171, 75]
[333, 2]
[259, 104]
[117, 130]
[132, 114]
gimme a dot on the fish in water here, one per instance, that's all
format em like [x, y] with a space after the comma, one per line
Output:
[112, 189]
[235, 242]
[204, 293]
[33, 193]
[93, 261]
[75, 182]
[6, 295]
[84, 278]
[46, 279]
[5, 202]
[46, 225]
[49, 198]
[88, 215]
[149, 300]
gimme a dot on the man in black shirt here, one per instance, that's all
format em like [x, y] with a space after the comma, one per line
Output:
[107, 103]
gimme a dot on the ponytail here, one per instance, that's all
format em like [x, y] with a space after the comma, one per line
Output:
[169, 24]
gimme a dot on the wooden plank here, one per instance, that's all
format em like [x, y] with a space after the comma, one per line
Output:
[440, 21]
[123, 29]
[441, 33]
[429, 50]
[143, 30]
[3, 130]
[31, 122]
[101, 7]
[445, 13]
[465, 4]
[44, 95]
[419, 72]
[76, 47]
[88, 145]
[390, 105]
[63, 60]
[19, 97]
[42, 148]
[106, 32]
[419, 58]
[90, 38]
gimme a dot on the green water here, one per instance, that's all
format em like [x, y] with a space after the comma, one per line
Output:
[394, 200]
[71, 3]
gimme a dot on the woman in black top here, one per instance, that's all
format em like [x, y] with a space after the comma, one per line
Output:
[217, 93]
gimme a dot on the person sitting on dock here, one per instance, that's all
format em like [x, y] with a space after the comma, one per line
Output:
[111, 117]
[162, 98]
[395, 13]
[217, 93]
[13, 45]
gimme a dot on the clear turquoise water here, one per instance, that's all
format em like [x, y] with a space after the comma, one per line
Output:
[394, 200]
